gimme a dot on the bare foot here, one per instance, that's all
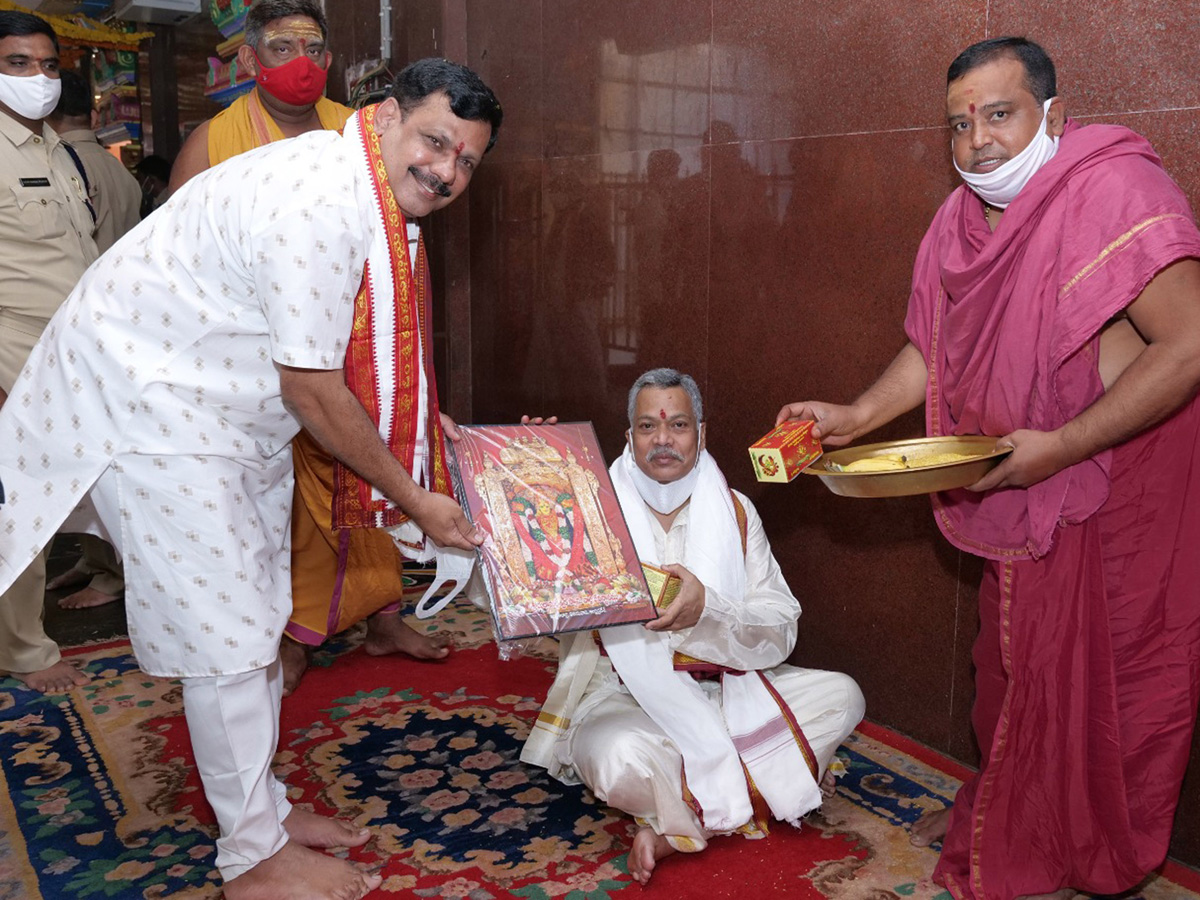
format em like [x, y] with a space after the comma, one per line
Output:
[930, 827]
[388, 633]
[648, 848]
[297, 873]
[312, 830]
[295, 658]
[85, 599]
[68, 579]
[58, 679]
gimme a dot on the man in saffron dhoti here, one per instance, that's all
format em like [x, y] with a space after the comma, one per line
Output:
[1056, 304]
[339, 576]
[273, 292]
[694, 723]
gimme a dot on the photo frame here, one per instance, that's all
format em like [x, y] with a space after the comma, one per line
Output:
[557, 555]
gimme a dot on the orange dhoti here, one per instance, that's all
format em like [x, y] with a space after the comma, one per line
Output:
[342, 575]
[338, 577]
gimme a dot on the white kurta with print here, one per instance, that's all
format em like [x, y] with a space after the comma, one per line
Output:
[158, 377]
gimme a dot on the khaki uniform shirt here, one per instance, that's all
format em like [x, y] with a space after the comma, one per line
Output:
[116, 194]
[45, 228]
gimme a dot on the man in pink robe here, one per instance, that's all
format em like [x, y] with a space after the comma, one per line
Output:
[1056, 304]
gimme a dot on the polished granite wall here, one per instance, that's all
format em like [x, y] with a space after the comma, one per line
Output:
[737, 188]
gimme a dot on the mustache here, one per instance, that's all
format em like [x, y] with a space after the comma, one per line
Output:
[431, 182]
[660, 452]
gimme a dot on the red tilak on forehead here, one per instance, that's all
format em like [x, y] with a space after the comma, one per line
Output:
[972, 107]
[662, 413]
[458, 150]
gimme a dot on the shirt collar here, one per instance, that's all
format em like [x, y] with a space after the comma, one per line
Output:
[17, 134]
[79, 135]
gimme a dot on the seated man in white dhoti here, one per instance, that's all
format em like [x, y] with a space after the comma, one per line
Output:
[169, 385]
[658, 720]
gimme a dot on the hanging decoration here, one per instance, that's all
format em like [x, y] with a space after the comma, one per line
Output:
[80, 31]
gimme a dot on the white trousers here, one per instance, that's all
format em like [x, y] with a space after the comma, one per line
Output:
[233, 721]
[630, 763]
[234, 726]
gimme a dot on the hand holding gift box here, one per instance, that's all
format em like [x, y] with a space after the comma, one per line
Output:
[786, 451]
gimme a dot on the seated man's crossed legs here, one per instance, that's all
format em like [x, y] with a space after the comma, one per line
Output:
[630, 763]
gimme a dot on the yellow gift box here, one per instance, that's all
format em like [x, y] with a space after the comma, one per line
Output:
[664, 587]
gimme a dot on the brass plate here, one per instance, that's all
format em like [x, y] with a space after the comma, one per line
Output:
[903, 482]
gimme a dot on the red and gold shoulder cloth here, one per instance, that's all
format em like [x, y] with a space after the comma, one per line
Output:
[389, 350]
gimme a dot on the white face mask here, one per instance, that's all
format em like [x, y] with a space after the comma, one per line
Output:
[664, 498]
[452, 565]
[1000, 186]
[33, 96]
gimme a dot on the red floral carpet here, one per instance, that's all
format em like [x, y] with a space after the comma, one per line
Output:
[104, 801]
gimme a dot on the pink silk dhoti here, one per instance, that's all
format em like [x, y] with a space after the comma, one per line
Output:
[1086, 688]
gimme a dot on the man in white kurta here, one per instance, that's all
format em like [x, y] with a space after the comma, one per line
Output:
[607, 725]
[170, 384]
[116, 199]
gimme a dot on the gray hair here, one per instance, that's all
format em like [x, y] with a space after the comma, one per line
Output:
[667, 378]
[264, 12]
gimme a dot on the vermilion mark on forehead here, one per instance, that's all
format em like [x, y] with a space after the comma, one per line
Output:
[662, 413]
[459, 149]
[972, 107]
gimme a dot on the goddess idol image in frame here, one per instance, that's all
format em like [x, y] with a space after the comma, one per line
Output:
[557, 555]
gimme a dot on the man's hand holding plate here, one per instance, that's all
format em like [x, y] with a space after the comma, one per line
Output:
[1036, 456]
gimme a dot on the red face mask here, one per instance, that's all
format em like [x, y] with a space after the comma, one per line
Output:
[299, 82]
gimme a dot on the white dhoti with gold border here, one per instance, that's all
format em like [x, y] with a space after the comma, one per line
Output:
[593, 730]
[631, 764]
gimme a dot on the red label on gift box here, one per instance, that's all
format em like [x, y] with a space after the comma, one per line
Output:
[785, 452]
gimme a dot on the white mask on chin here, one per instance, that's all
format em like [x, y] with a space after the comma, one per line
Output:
[33, 96]
[664, 498]
[1000, 186]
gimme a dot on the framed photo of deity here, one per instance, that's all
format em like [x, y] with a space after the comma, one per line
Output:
[556, 555]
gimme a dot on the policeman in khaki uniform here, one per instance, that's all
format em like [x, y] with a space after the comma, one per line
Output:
[46, 227]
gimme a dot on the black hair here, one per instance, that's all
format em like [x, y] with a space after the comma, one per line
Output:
[19, 24]
[76, 97]
[470, 98]
[1039, 70]
[265, 11]
[155, 167]
[666, 379]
